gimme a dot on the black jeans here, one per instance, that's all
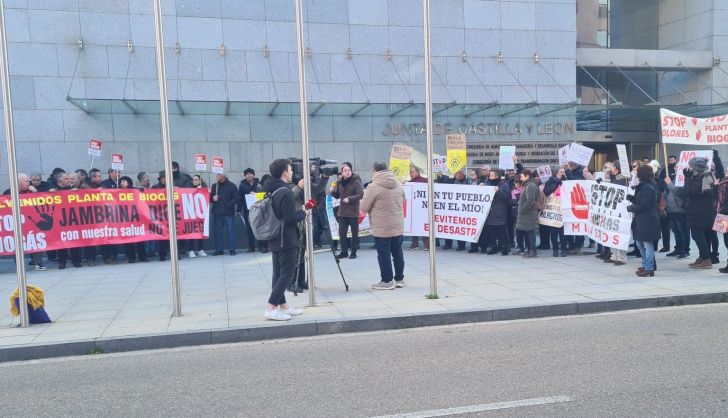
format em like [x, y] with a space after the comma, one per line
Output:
[531, 236]
[699, 238]
[389, 250]
[497, 237]
[134, 251]
[557, 237]
[711, 237]
[75, 254]
[665, 230]
[344, 225]
[284, 267]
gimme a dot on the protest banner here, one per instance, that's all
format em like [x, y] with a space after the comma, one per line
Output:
[365, 226]
[551, 214]
[623, 160]
[682, 163]
[563, 155]
[439, 164]
[80, 218]
[201, 162]
[399, 161]
[544, 173]
[251, 198]
[117, 161]
[681, 129]
[457, 155]
[505, 157]
[580, 154]
[218, 165]
[598, 211]
[94, 148]
[460, 211]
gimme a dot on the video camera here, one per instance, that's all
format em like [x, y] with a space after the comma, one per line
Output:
[317, 167]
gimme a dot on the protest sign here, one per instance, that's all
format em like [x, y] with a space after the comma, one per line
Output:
[82, 218]
[457, 155]
[117, 161]
[681, 129]
[439, 164]
[551, 214]
[598, 211]
[623, 160]
[94, 148]
[720, 224]
[365, 226]
[505, 157]
[201, 162]
[399, 161]
[563, 155]
[580, 154]
[544, 173]
[682, 163]
[460, 211]
[419, 160]
[251, 198]
[218, 165]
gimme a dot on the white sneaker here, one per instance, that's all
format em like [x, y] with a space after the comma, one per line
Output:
[399, 284]
[201, 253]
[276, 315]
[39, 267]
[293, 311]
[191, 254]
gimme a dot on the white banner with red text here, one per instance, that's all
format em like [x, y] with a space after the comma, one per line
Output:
[687, 130]
[460, 211]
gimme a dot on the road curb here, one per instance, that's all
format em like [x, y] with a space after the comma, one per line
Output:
[328, 327]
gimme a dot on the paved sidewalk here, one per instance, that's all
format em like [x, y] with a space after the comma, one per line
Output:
[231, 291]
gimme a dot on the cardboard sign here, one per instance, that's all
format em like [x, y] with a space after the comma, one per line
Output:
[94, 148]
[117, 161]
[682, 163]
[563, 155]
[544, 173]
[399, 161]
[681, 129]
[623, 160]
[201, 162]
[218, 165]
[457, 155]
[439, 164]
[505, 157]
[551, 214]
[580, 154]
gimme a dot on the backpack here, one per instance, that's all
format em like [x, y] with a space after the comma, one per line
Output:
[263, 220]
[541, 200]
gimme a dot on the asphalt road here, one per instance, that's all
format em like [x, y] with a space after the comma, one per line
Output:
[654, 363]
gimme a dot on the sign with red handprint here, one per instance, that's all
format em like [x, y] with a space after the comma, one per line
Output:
[597, 210]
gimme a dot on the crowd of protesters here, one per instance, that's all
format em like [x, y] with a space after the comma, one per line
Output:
[661, 210]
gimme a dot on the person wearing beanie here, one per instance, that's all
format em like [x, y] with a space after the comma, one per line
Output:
[699, 191]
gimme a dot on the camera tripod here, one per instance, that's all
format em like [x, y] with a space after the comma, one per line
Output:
[301, 260]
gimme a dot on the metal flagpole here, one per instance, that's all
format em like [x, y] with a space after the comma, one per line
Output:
[13, 172]
[304, 147]
[167, 149]
[428, 122]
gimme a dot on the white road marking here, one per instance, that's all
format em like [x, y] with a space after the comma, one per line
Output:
[481, 408]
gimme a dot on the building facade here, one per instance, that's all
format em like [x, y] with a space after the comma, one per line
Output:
[535, 72]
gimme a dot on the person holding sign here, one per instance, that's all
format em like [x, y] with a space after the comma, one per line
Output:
[349, 191]
[416, 177]
[699, 191]
[249, 185]
[646, 219]
[497, 220]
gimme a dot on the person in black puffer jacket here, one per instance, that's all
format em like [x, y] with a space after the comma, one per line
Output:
[699, 189]
[349, 191]
[497, 220]
[224, 198]
[647, 220]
